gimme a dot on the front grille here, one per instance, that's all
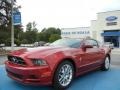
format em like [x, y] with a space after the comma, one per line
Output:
[16, 60]
[15, 75]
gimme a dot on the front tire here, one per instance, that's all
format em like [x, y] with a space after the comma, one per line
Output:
[106, 64]
[63, 75]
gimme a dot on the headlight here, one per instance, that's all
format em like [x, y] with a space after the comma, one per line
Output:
[39, 62]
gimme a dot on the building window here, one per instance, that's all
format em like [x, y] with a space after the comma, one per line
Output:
[82, 32]
[88, 32]
[68, 32]
[73, 32]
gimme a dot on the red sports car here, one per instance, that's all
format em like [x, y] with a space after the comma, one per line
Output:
[58, 63]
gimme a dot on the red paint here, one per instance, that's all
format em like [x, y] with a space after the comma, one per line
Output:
[84, 61]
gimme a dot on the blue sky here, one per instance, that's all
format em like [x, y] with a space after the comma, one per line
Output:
[64, 13]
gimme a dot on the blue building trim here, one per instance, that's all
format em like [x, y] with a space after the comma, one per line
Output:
[110, 34]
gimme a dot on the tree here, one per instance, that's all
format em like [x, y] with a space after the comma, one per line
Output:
[40, 37]
[45, 34]
[24, 41]
[54, 37]
[29, 27]
[5, 22]
[17, 42]
[31, 32]
[5, 13]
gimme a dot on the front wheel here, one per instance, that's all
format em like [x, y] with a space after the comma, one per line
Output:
[63, 75]
[106, 64]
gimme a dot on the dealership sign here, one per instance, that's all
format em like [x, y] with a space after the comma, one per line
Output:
[111, 18]
[17, 18]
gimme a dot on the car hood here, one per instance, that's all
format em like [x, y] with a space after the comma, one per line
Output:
[39, 51]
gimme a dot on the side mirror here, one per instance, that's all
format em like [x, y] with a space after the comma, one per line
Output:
[84, 47]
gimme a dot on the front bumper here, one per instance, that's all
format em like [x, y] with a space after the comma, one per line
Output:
[29, 75]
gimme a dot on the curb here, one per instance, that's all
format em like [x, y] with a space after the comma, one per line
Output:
[3, 54]
[116, 50]
[115, 53]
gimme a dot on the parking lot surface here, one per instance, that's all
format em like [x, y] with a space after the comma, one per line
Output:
[97, 80]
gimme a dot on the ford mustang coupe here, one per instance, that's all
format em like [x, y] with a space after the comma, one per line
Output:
[58, 63]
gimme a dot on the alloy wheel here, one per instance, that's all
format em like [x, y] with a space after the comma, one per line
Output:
[65, 75]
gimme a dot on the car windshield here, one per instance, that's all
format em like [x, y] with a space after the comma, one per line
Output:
[74, 43]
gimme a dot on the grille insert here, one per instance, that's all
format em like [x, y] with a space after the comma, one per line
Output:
[16, 60]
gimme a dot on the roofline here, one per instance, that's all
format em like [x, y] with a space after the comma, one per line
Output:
[76, 27]
[108, 11]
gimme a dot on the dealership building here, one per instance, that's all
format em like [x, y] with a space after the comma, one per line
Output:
[105, 29]
[78, 32]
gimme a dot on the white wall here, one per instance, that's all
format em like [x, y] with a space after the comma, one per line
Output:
[80, 32]
[102, 20]
[99, 25]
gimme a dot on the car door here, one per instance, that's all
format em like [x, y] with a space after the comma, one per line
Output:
[99, 52]
[91, 56]
[84, 58]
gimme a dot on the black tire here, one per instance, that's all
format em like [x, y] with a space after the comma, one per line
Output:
[106, 64]
[56, 83]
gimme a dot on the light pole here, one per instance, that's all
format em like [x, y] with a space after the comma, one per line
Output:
[12, 26]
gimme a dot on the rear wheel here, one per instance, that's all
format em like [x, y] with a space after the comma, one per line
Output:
[63, 75]
[106, 64]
